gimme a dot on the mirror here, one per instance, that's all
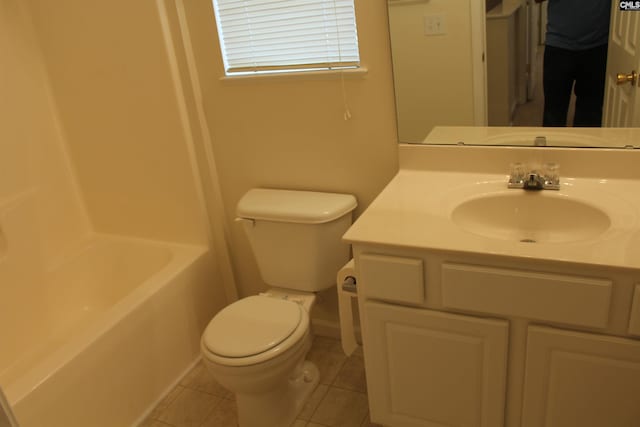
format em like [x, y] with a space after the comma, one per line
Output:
[443, 76]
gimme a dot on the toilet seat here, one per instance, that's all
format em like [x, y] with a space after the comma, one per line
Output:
[253, 330]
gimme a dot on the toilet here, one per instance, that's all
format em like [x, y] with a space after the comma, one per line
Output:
[256, 347]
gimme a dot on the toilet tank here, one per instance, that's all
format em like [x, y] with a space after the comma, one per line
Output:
[296, 236]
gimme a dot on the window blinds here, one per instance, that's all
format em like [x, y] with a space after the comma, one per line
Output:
[283, 35]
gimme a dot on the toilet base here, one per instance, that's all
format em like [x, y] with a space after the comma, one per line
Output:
[279, 407]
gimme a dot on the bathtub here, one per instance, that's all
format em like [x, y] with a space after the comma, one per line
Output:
[97, 339]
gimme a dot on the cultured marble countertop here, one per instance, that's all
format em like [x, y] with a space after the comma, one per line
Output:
[414, 211]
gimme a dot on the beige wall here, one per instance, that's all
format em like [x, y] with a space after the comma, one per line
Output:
[112, 82]
[290, 133]
[36, 179]
[113, 86]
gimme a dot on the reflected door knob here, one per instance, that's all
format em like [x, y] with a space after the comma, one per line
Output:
[623, 78]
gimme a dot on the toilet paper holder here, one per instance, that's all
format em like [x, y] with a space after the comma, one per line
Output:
[350, 285]
[347, 291]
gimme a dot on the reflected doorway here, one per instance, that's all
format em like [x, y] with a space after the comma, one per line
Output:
[530, 113]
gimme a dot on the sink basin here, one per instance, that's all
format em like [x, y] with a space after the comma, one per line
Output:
[530, 217]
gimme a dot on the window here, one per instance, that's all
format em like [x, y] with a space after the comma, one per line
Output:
[262, 36]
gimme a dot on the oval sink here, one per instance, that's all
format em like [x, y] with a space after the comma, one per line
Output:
[530, 217]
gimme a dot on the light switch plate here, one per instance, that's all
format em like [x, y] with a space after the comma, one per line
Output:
[435, 24]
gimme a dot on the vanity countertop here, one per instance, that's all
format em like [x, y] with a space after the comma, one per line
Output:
[415, 209]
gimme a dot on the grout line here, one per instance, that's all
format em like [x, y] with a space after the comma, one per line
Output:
[229, 397]
[211, 410]
[319, 403]
[348, 389]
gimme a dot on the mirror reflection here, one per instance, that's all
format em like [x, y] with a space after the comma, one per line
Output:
[467, 63]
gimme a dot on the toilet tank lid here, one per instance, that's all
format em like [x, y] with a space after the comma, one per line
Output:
[306, 207]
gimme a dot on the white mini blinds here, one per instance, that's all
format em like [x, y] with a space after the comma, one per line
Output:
[286, 35]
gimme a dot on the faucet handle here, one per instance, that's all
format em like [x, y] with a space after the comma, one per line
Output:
[551, 173]
[517, 175]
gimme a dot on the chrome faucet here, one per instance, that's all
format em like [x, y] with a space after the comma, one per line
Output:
[530, 178]
[534, 181]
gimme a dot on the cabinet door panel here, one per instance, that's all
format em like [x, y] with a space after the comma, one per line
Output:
[427, 368]
[582, 380]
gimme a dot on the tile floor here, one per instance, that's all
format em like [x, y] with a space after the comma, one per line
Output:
[339, 401]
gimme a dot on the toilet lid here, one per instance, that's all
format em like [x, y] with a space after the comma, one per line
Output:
[251, 326]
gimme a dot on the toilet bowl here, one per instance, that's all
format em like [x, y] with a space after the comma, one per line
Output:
[256, 346]
[262, 361]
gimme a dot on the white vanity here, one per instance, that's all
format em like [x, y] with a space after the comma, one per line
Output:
[487, 306]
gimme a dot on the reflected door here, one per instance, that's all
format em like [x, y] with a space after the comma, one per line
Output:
[621, 107]
[438, 65]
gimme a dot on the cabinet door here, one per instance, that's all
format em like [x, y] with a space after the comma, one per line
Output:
[427, 368]
[576, 379]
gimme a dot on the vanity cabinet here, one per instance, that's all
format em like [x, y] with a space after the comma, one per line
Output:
[462, 340]
[579, 379]
[433, 368]
[483, 306]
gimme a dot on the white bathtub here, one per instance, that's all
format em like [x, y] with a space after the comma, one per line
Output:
[98, 339]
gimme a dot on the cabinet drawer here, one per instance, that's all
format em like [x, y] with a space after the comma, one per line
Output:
[542, 296]
[392, 278]
[634, 320]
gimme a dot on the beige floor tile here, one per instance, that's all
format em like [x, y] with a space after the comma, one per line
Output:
[164, 403]
[223, 415]
[199, 378]
[351, 376]
[367, 423]
[189, 409]
[313, 402]
[358, 352]
[341, 408]
[199, 401]
[328, 344]
[328, 362]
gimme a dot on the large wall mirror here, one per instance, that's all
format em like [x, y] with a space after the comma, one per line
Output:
[467, 63]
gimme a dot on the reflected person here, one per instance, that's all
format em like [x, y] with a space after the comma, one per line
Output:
[575, 56]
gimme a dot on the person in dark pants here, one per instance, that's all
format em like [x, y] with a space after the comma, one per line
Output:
[575, 56]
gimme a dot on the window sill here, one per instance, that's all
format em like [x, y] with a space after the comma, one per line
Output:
[359, 72]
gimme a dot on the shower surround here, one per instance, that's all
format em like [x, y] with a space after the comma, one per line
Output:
[107, 273]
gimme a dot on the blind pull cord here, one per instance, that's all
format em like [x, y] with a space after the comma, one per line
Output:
[347, 112]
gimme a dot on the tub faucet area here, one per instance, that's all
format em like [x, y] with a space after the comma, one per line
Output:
[532, 177]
